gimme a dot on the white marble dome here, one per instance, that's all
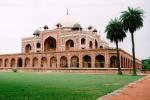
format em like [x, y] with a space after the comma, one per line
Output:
[67, 21]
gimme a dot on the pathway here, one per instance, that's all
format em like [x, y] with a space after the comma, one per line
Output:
[140, 90]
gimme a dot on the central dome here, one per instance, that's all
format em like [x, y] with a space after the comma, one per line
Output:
[67, 21]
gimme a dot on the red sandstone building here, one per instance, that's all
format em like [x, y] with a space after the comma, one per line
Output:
[67, 47]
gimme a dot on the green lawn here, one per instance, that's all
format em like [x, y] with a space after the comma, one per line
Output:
[59, 86]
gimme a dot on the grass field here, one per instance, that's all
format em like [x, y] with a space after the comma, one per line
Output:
[59, 86]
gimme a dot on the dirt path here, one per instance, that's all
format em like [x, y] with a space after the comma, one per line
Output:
[139, 90]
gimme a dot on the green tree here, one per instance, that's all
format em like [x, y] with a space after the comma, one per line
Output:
[146, 64]
[116, 33]
[132, 19]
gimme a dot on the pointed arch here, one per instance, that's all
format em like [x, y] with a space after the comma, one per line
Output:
[96, 44]
[83, 41]
[99, 61]
[44, 62]
[50, 44]
[121, 62]
[1, 62]
[90, 45]
[27, 62]
[63, 62]
[87, 61]
[6, 63]
[53, 62]
[12, 62]
[28, 48]
[19, 62]
[69, 44]
[35, 62]
[75, 61]
[113, 61]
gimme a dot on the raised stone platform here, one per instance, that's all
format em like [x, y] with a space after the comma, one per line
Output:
[73, 70]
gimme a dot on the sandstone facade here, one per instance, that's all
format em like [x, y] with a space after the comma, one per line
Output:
[67, 46]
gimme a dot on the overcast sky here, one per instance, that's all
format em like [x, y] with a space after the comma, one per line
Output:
[19, 18]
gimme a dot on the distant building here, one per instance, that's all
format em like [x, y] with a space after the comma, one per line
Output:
[66, 47]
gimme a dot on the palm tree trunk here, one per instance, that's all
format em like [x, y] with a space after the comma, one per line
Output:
[133, 54]
[118, 60]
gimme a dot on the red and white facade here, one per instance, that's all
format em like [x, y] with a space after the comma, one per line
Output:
[66, 47]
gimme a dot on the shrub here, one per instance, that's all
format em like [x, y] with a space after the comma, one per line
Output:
[14, 70]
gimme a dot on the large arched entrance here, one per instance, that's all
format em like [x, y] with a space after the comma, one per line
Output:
[28, 48]
[113, 62]
[35, 62]
[27, 62]
[19, 62]
[99, 61]
[74, 62]
[63, 62]
[69, 45]
[44, 62]
[87, 61]
[53, 62]
[12, 64]
[50, 44]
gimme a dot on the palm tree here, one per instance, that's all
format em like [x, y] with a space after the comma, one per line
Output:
[115, 33]
[132, 20]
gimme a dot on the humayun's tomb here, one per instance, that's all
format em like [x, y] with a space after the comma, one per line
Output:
[66, 48]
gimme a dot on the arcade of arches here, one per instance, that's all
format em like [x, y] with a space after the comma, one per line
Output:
[50, 45]
[74, 61]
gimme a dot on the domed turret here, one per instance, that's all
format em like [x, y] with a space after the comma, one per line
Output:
[58, 25]
[36, 32]
[77, 26]
[45, 27]
[90, 27]
[95, 30]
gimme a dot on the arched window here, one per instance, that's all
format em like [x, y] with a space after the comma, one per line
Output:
[50, 44]
[38, 45]
[96, 44]
[28, 48]
[83, 41]
[69, 45]
[87, 61]
[90, 45]
[101, 47]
